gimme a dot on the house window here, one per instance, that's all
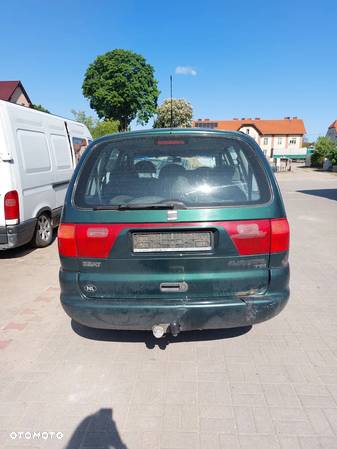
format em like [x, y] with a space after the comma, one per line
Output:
[279, 140]
[265, 141]
[292, 141]
[211, 125]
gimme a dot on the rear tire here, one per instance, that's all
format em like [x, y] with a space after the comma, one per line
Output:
[44, 231]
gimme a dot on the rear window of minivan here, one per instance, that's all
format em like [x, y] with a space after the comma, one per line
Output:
[195, 171]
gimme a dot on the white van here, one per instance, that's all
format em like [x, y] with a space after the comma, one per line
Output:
[38, 154]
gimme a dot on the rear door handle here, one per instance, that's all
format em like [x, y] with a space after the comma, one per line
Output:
[173, 287]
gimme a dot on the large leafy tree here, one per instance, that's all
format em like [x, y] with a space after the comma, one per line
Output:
[120, 85]
[182, 113]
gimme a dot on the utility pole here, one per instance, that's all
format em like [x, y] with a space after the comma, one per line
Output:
[171, 101]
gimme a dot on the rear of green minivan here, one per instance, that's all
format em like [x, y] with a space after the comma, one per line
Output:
[183, 229]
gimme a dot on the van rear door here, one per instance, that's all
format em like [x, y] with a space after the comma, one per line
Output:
[63, 163]
[177, 218]
[6, 167]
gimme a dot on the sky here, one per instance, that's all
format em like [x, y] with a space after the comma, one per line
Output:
[229, 59]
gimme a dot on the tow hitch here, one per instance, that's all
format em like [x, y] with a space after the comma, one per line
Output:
[159, 330]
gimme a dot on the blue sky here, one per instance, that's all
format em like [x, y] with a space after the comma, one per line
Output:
[263, 59]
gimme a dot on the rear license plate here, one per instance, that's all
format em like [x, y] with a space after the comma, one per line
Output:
[144, 242]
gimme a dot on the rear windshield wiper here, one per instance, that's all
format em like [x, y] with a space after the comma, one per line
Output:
[165, 205]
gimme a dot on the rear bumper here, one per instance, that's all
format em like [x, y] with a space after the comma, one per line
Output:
[17, 235]
[224, 314]
[136, 314]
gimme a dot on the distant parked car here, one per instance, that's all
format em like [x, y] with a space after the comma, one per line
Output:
[198, 240]
[37, 159]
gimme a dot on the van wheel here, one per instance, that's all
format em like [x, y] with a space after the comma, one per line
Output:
[44, 231]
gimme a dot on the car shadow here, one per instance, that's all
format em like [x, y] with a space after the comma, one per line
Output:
[330, 194]
[124, 336]
[15, 253]
[97, 431]
[21, 251]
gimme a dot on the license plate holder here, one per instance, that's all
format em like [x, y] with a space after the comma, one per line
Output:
[145, 242]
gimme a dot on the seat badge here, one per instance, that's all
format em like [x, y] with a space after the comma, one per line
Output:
[172, 215]
[91, 264]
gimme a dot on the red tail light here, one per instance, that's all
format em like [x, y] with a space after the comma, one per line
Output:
[87, 240]
[249, 236]
[279, 235]
[66, 240]
[96, 240]
[11, 205]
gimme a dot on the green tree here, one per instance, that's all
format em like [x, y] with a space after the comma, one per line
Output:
[182, 113]
[120, 85]
[104, 127]
[87, 120]
[324, 148]
[39, 107]
[97, 128]
[332, 154]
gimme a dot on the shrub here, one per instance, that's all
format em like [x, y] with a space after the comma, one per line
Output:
[324, 148]
[317, 159]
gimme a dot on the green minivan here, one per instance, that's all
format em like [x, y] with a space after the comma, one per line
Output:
[172, 230]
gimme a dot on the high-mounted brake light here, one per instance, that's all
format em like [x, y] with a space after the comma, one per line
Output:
[11, 206]
[170, 142]
[279, 235]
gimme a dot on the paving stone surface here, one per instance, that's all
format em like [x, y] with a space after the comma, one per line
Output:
[273, 387]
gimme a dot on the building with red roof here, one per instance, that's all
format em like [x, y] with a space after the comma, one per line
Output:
[332, 131]
[269, 134]
[14, 92]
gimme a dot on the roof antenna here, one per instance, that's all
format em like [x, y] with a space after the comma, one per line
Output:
[171, 101]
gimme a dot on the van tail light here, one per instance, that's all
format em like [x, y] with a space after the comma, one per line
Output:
[279, 235]
[87, 240]
[96, 240]
[259, 236]
[66, 240]
[11, 206]
[249, 236]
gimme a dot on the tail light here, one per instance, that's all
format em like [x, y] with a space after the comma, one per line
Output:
[279, 235]
[259, 236]
[66, 240]
[87, 240]
[96, 240]
[11, 206]
[249, 236]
